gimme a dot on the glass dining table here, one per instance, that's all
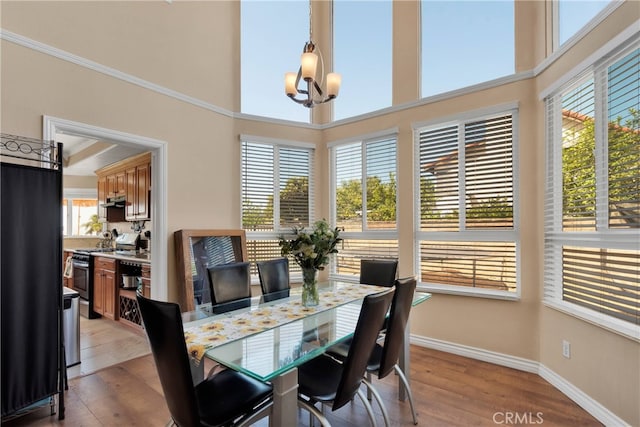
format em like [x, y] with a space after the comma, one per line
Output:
[268, 340]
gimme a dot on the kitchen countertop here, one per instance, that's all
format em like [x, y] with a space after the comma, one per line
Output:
[141, 257]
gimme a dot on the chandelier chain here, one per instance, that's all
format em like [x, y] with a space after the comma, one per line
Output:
[310, 27]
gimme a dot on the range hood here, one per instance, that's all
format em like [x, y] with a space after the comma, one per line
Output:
[115, 202]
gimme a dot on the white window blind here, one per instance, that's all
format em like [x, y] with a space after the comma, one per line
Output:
[592, 203]
[466, 236]
[277, 189]
[365, 202]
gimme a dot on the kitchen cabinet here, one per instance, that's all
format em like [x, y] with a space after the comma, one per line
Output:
[67, 281]
[105, 287]
[146, 280]
[138, 178]
[130, 178]
[116, 185]
[102, 197]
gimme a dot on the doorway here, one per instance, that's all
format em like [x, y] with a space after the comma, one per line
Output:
[104, 338]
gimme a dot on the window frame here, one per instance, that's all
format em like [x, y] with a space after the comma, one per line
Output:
[277, 231]
[511, 235]
[70, 194]
[366, 233]
[603, 237]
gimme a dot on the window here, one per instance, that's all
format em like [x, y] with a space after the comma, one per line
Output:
[592, 211]
[573, 15]
[272, 36]
[465, 43]
[277, 189]
[80, 213]
[364, 201]
[467, 237]
[357, 41]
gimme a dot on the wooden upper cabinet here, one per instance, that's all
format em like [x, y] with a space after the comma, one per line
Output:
[102, 197]
[131, 205]
[138, 179]
[130, 178]
[143, 190]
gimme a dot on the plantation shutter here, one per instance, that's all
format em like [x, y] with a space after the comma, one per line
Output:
[277, 186]
[489, 173]
[439, 183]
[578, 158]
[624, 142]
[467, 236]
[603, 280]
[295, 168]
[592, 200]
[257, 186]
[349, 181]
[380, 199]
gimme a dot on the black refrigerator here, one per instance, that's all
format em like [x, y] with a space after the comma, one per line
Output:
[32, 365]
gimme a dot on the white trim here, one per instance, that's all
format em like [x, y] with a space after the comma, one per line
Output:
[559, 50]
[435, 98]
[589, 404]
[111, 72]
[611, 324]
[613, 44]
[469, 291]
[368, 137]
[159, 150]
[477, 114]
[276, 141]
[275, 121]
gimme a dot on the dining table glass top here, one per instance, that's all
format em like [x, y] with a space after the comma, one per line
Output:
[268, 338]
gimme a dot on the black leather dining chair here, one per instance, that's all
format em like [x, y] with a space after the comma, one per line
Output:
[228, 398]
[381, 272]
[274, 276]
[230, 286]
[327, 380]
[384, 359]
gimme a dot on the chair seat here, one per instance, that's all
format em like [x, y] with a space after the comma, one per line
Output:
[219, 406]
[319, 378]
[340, 351]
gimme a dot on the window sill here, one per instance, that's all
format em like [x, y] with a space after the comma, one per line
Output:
[469, 292]
[619, 327]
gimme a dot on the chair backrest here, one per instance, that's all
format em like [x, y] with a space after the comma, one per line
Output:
[274, 275]
[381, 272]
[397, 323]
[163, 324]
[229, 282]
[372, 314]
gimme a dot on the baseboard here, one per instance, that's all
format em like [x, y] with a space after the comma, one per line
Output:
[589, 404]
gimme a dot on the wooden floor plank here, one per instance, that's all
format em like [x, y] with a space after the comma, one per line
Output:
[449, 390]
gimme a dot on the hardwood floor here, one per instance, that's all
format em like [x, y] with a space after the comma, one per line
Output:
[449, 390]
[104, 342]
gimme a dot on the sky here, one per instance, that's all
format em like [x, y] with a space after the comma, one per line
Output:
[463, 43]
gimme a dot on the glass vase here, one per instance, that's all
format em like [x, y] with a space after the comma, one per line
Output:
[310, 296]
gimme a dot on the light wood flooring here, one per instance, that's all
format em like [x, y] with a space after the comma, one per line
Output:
[449, 390]
[104, 343]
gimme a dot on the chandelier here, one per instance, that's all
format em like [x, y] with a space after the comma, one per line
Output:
[311, 63]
